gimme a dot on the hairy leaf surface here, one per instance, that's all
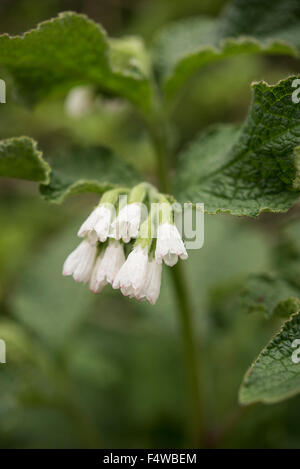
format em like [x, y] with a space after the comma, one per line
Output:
[251, 170]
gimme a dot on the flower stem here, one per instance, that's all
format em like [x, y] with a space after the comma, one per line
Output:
[158, 135]
[194, 421]
[194, 427]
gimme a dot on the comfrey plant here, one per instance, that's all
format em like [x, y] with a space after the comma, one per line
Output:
[239, 170]
[99, 259]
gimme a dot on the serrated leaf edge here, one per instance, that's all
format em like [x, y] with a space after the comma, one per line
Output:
[265, 46]
[73, 188]
[250, 369]
[37, 152]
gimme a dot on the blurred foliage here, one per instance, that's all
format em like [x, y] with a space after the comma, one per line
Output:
[85, 371]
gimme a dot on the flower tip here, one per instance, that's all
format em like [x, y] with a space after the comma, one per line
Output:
[170, 263]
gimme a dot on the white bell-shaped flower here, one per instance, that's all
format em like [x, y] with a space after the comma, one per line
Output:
[97, 225]
[151, 287]
[169, 245]
[97, 285]
[127, 223]
[132, 275]
[113, 259]
[80, 262]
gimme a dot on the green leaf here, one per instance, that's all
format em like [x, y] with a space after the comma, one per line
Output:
[277, 293]
[256, 18]
[20, 158]
[271, 295]
[249, 171]
[274, 376]
[85, 169]
[70, 50]
[246, 27]
[71, 170]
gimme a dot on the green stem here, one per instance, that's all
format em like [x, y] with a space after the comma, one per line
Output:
[158, 133]
[190, 351]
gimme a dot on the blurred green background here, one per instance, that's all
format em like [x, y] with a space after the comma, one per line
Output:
[103, 371]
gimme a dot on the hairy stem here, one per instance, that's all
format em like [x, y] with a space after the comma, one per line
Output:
[158, 135]
[191, 357]
[194, 420]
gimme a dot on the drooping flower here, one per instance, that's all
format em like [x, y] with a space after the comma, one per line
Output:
[97, 225]
[113, 259]
[151, 287]
[127, 223]
[132, 276]
[140, 275]
[80, 262]
[169, 245]
[96, 286]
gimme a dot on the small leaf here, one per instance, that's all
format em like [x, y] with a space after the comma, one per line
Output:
[286, 308]
[72, 50]
[245, 27]
[274, 376]
[249, 171]
[20, 158]
[271, 295]
[85, 169]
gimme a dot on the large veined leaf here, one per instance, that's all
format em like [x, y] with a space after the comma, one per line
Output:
[20, 158]
[245, 27]
[70, 170]
[251, 170]
[85, 169]
[71, 50]
[275, 375]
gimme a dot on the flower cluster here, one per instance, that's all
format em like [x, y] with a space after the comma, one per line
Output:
[100, 258]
